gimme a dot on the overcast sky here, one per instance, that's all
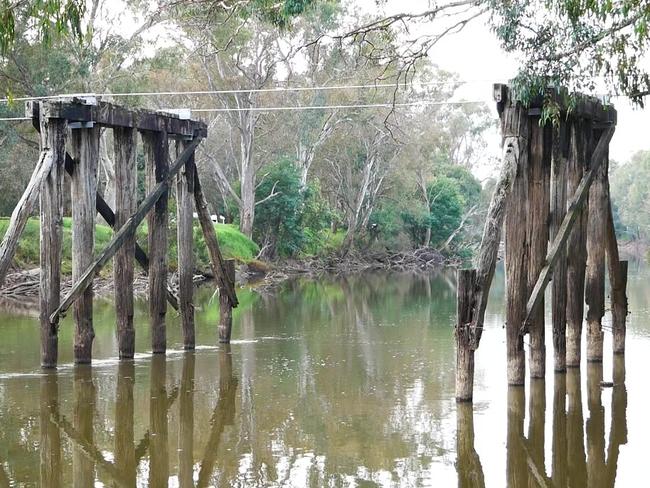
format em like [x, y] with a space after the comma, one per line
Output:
[476, 55]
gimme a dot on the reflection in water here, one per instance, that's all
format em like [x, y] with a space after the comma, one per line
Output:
[335, 383]
[570, 466]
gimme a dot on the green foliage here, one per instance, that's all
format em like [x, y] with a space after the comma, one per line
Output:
[234, 244]
[630, 195]
[468, 186]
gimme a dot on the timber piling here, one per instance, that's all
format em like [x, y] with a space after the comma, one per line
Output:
[78, 121]
[553, 199]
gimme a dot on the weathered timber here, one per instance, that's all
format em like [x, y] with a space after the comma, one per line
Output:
[618, 283]
[216, 259]
[85, 151]
[127, 229]
[539, 176]
[124, 433]
[515, 124]
[577, 166]
[225, 305]
[22, 211]
[78, 109]
[156, 155]
[50, 437]
[85, 394]
[468, 464]
[186, 423]
[595, 275]
[125, 206]
[159, 444]
[51, 237]
[466, 279]
[558, 211]
[469, 331]
[107, 214]
[185, 240]
[578, 200]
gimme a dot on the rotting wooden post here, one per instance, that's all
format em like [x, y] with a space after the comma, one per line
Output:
[156, 152]
[516, 467]
[466, 279]
[51, 236]
[85, 151]
[558, 211]
[595, 275]
[618, 284]
[225, 305]
[539, 174]
[184, 208]
[576, 462]
[577, 166]
[125, 206]
[559, 449]
[595, 426]
[515, 124]
[537, 411]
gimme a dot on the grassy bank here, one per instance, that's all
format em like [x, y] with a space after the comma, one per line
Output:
[234, 244]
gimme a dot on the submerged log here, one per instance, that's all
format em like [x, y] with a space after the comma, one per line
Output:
[53, 133]
[85, 149]
[127, 229]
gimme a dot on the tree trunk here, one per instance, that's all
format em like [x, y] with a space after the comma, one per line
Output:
[247, 208]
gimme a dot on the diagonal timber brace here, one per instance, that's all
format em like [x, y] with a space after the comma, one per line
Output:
[578, 200]
[127, 229]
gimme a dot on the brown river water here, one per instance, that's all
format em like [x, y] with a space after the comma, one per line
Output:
[337, 382]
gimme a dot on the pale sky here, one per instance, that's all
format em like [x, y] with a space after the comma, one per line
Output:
[475, 54]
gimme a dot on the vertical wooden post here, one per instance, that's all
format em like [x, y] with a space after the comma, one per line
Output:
[539, 174]
[185, 239]
[125, 206]
[577, 464]
[577, 165]
[537, 411]
[515, 123]
[84, 406]
[595, 275]
[158, 447]
[225, 304]
[558, 211]
[85, 150]
[186, 423]
[124, 411]
[468, 465]
[466, 279]
[156, 153]
[50, 445]
[51, 236]
[618, 283]
[618, 426]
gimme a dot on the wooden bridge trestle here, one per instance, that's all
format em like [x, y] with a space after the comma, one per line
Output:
[75, 122]
[552, 198]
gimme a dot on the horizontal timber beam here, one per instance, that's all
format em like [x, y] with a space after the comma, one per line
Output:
[77, 109]
[578, 200]
[127, 229]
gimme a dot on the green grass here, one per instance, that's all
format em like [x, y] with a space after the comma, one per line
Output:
[234, 244]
